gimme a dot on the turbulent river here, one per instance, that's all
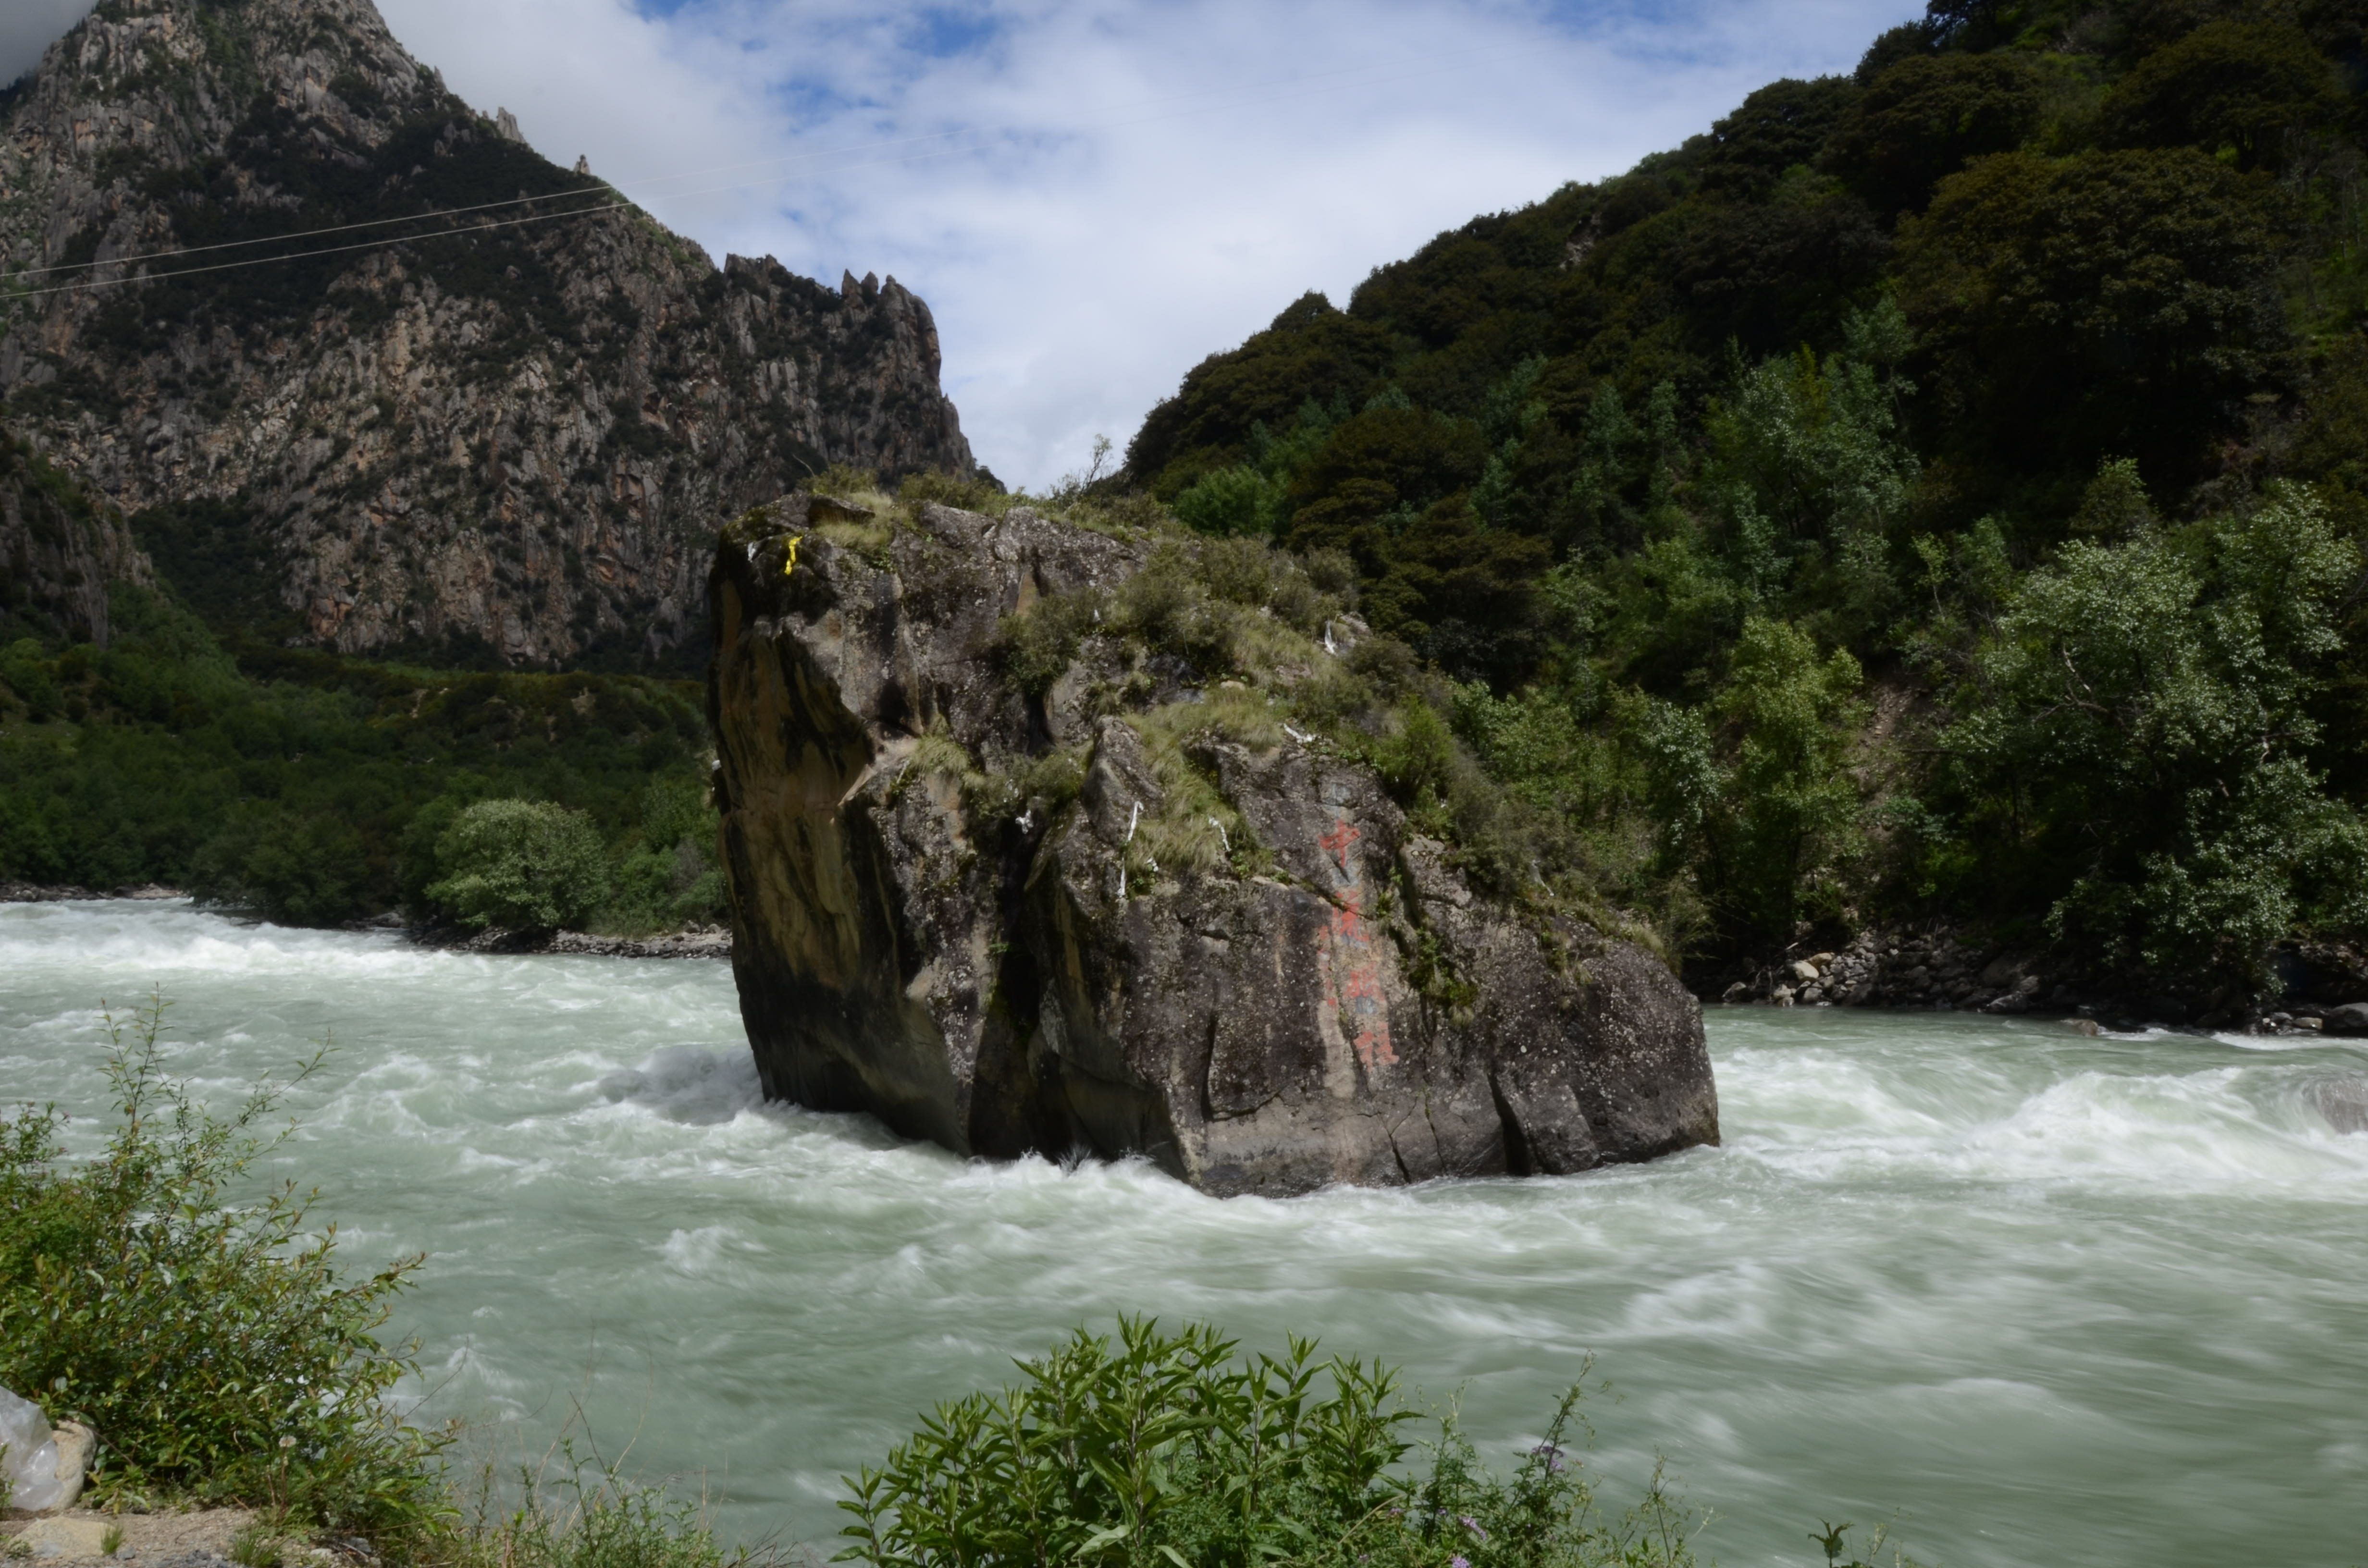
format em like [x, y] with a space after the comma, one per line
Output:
[2054, 1300]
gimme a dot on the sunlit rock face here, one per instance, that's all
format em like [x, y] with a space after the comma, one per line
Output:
[926, 932]
[512, 441]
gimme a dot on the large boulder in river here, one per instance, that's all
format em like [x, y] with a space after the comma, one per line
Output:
[1013, 868]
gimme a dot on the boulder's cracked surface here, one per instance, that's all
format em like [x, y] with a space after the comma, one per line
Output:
[924, 933]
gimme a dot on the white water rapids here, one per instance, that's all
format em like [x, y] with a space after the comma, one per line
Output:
[2056, 1299]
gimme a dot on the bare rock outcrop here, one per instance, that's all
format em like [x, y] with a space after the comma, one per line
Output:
[58, 552]
[949, 908]
[495, 414]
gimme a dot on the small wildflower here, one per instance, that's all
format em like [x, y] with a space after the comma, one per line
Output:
[287, 1442]
[1469, 1523]
[1459, 1562]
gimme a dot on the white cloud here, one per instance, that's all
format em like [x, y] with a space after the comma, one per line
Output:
[1130, 187]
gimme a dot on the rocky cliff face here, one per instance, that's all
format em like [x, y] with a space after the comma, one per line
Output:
[516, 439]
[58, 552]
[1017, 864]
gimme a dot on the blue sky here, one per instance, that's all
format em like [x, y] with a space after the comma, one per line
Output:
[1093, 195]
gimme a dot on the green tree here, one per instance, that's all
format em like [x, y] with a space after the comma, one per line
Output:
[520, 863]
[1235, 500]
[672, 875]
[1926, 118]
[1311, 352]
[2254, 88]
[2110, 302]
[1420, 454]
[297, 869]
[1803, 452]
[2138, 721]
[1791, 805]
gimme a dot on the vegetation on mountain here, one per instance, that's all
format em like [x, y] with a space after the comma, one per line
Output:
[1931, 492]
[314, 790]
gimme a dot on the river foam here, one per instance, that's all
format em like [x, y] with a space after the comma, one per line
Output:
[2060, 1299]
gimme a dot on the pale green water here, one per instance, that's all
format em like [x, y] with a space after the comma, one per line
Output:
[2062, 1301]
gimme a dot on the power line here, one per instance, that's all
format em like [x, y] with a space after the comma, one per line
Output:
[308, 234]
[986, 139]
[301, 256]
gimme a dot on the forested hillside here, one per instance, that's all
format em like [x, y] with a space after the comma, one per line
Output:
[1933, 493]
[142, 742]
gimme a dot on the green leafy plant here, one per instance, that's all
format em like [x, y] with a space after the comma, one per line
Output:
[201, 1326]
[1154, 1450]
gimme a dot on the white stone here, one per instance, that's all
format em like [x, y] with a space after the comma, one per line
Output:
[64, 1537]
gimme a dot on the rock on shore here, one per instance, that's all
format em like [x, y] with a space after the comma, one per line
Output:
[925, 930]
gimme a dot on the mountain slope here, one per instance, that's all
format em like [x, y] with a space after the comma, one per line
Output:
[507, 444]
[1933, 493]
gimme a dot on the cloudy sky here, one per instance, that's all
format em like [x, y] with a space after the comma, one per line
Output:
[1092, 196]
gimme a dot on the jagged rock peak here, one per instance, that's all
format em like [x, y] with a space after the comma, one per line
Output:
[516, 440]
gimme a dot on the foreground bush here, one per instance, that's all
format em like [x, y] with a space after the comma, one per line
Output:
[1162, 1451]
[203, 1331]
[571, 1513]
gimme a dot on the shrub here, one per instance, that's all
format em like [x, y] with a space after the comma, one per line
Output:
[586, 1516]
[520, 863]
[672, 874]
[1239, 500]
[1035, 645]
[1160, 1449]
[946, 490]
[206, 1334]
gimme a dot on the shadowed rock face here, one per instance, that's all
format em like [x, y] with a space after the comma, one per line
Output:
[58, 552]
[1004, 981]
